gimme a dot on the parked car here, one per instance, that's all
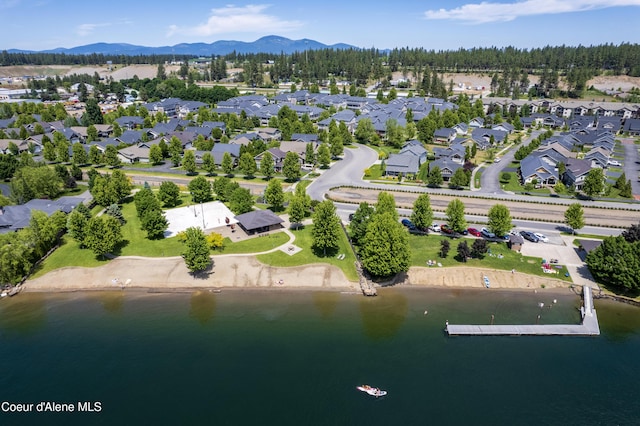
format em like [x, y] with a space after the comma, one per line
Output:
[614, 163]
[435, 227]
[497, 160]
[529, 236]
[487, 234]
[474, 232]
[541, 237]
[445, 229]
[406, 222]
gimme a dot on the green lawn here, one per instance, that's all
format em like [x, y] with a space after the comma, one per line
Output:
[425, 248]
[307, 255]
[374, 172]
[514, 185]
[478, 177]
[254, 245]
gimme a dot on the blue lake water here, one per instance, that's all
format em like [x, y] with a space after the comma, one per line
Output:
[288, 357]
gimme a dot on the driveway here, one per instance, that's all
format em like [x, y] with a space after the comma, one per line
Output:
[567, 254]
[490, 179]
[632, 165]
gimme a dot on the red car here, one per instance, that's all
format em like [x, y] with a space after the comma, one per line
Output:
[474, 232]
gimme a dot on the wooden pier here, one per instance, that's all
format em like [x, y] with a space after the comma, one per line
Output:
[588, 327]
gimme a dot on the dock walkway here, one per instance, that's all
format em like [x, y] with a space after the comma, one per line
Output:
[588, 327]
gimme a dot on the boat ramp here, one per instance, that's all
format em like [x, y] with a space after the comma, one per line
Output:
[588, 327]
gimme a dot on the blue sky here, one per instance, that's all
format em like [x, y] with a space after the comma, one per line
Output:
[451, 24]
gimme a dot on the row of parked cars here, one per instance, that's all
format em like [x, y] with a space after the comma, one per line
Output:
[481, 233]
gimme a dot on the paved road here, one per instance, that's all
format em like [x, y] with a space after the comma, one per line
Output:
[632, 166]
[490, 179]
[348, 171]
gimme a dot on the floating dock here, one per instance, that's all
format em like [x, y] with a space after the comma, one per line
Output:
[588, 327]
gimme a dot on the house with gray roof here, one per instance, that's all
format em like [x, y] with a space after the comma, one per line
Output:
[130, 137]
[258, 221]
[632, 126]
[534, 168]
[402, 164]
[454, 153]
[447, 167]
[130, 122]
[444, 135]
[23, 146]
[14, 218]
[134, 154]
[576, 171]
[599, 157]
[499, 136]
[220, 148]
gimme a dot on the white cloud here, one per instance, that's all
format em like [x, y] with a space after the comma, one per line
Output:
[233, 19]
[484, 12]
[85, 29]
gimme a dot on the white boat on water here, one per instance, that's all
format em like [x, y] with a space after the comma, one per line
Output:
[371, 390]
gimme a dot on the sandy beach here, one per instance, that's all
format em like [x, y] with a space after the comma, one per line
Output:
[248, 272]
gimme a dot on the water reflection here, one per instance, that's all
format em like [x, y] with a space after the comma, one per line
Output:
[382, 316]
[23, 314]
[618, 321]
[203, 306]
[326, 302]
[112, 302]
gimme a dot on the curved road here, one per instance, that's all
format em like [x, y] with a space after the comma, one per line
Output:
[490, 179]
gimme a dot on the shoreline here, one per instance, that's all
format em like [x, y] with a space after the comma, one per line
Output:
[170, 275]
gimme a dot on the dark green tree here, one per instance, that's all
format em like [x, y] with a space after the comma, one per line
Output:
[434, 178]
[326, 228]
[200, 189]
[267, 165]
[455, 216]
[574, 217]
[274, 195]
[247, 164]
[93, 114]
[593, 182]
[616, 263]
[189, 162]
[445, 246]
[155, 155]
[479, 248]
[169, 194]
[385, 247]
[360, 221]
[499, 219]
[463, 251]
[209, 163]
[241, 201]
[291, 166]
[196, 250]
[102, 234]
[227, 164]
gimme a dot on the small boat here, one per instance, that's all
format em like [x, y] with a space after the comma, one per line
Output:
[486, 281]
[371, 390]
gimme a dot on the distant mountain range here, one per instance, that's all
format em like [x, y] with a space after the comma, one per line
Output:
[269, 44]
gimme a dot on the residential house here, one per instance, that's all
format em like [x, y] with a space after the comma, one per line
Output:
[504, 126]
[5, 143]
[278, 158]
[130, 122]
[444, 136]
[134, 154]
[534, 169]
[476, 123]
[454, 153]
[576, 172]
[14, 218]
[305, 137]
[299, 148]
[447, 167]
[461, 128]
[599, 157]
[402, 164]
[219, 150]
[632, 126]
